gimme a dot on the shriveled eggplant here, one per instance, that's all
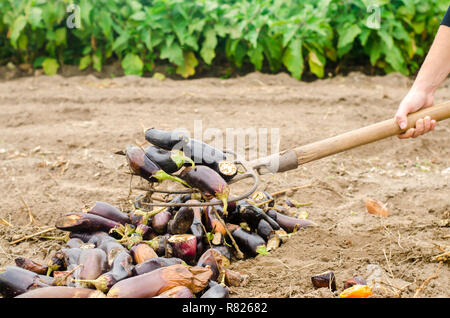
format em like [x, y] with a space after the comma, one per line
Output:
[155, 263]
[182, 221]
[217, 291]
[264, 229]
[224, 250]
[31, 265]
[168, 160]
[94, 263]
[252, 215]
[84, 222]
[204, 154]
[161, 245]
[176, 292]
[248, 242]
[181, 198]
[236, 279]
[209, 182]
[197, 227]
[289, 223]
[166, 139]
[121, 268]
[142, 166]
[108, 211]
[58, 292]
[215, 260]
[15, 281]
[326, 279]
[160, 222]
[145, 231]
[212, 222]
[158, 281]
[184, 246]
[142, 252]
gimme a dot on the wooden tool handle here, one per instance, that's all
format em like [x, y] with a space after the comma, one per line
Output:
[292, 158]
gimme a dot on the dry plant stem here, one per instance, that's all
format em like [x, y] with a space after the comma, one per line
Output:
[421, 288]
[30, 215]
[32, 235]
[4, 222]
[240, 255]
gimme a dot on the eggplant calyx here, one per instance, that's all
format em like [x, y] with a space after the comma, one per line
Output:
[100, 283]
[161, 175]
[180, 158]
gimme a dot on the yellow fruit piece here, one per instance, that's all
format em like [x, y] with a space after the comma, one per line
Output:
[357, 291]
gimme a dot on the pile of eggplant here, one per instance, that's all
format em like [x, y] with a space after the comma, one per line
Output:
[167, 252]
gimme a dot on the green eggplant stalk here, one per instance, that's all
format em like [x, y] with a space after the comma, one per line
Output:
[142, 166]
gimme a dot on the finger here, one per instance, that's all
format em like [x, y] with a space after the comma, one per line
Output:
[433, 124]
[419, 128]
[408, 134]
[426, 124]
[401, 118]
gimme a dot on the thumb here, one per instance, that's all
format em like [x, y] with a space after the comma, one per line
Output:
[401, 117]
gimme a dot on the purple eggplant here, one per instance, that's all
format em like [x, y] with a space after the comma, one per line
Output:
[161, 245]
[184, 246]
[15, 281]
[264, 229]
[215, 260]
[248, 242]
[182, 221]
[84, 222]
[160, 222]
[217, 291]
[209, 182]
[142, 166]
[168, 160]
[31, 265]
[166, 139]
[155, 263]
[108, 211]
[289, 223]
[176, 292]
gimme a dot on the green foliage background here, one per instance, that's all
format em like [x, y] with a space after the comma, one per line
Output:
[272, 35]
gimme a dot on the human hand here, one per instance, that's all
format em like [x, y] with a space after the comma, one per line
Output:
[412, 102]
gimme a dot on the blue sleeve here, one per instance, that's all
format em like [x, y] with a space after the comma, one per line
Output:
[446, 19]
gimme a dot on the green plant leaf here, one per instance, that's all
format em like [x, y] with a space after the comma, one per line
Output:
[346, 38]
[256, 57]
[316, 63]
[50, 66]
[208, 47]
[293, 58]
[188, 67]
[35, 16]
[60, 36]
[171, 50]
[97, 60]
[132, 65]
[16, 30]
[262, 250]
[85, 61]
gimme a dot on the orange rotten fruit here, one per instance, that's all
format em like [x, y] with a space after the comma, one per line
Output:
[377, 208]
[357, 291]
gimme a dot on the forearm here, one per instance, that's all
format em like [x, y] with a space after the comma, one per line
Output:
[436, 66]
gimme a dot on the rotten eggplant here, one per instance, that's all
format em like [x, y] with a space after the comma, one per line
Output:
[158, 281]
[15, 281]
[168, 160]
[289, 223]
[108, 211]
[215, 260]
[184, 246]
[181, 221]
[164, 139]
[142, 166]
[209, 182]
[31, 265]
[142, 252]
[248, 242]
[176, 292]
[155, 263]
[84, 222]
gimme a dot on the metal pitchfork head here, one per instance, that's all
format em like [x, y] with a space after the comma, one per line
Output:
[249, 172]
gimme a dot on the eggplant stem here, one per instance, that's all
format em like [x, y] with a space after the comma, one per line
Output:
[160, 175]
[240, 255]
